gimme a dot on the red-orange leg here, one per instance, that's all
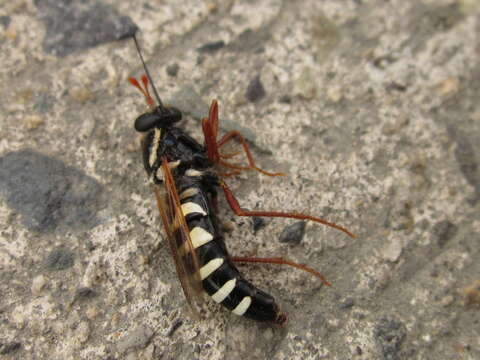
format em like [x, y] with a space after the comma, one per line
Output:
[282, 261]
[213, 117]
[235, 206]
[210, 141]
[230, 155]
[251, 162]
[210, 133]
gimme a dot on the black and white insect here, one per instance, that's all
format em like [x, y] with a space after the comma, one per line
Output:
[185, 178]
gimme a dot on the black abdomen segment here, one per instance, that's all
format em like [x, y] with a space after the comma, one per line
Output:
[221, 280]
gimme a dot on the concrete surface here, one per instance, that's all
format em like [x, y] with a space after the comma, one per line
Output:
[371, 107]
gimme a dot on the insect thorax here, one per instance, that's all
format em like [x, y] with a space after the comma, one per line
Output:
[183, 153]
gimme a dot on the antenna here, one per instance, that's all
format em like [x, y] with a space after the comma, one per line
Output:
[160, 104]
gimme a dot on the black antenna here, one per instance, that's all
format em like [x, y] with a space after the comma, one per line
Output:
[147, 72]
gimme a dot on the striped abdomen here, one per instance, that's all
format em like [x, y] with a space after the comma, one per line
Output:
[221, 280]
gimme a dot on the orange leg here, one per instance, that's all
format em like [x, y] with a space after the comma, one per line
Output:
[282, 261]
[210, 141]
[236, 134]
[210, 133]
[233, 202]
[230, 155]
[213, 117]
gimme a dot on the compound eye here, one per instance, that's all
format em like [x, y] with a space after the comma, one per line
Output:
[146, 122]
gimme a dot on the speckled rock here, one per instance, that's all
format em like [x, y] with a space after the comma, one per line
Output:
[370, 108]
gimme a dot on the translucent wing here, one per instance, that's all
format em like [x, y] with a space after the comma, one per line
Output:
[184, 256]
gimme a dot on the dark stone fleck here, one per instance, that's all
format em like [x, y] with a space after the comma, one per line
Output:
[347, 303]
[251, 41]
[59, 259]
[285, 99]
[395, 87]
[211, 47]
[389, 335]
[89, 245]
[384, 61]
[176, 325]
[258, 223]
[444, 231]
[172, 69]
[200, 59]
[5, 21]
[78, 25]
[293, 234]
[255, 90]
[359, 315]
[48, 193]
[465, 155]
[358, 350]
[9, 348]
[44, 102]
[85, 293]
[468, 164]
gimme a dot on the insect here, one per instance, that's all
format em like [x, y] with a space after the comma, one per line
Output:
[185, 178]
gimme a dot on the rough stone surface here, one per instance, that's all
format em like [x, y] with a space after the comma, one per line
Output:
[137, 338]
[73, 26]
[59, 259]
[46, 192]
[371, 109]
[9, 348]
[390, 335]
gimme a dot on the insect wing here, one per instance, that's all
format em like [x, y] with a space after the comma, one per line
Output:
[183, 252]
